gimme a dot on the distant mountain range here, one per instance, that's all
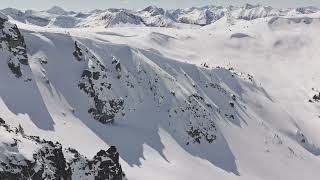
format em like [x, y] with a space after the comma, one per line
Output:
[151, 16]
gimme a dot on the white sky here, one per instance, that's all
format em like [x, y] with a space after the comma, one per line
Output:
[80, 5]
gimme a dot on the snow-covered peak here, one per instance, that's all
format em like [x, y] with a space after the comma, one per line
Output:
[151, 16]
[251, 6]
[12, 12]
[250, 12]
[154, 10]
[58, 11]
[307, 10]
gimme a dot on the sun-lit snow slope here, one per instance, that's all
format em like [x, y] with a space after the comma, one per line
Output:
[175, 113]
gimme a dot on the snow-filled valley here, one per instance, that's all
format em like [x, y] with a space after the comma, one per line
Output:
[199, 93]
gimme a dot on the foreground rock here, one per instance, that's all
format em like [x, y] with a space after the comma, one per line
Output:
[29, 157]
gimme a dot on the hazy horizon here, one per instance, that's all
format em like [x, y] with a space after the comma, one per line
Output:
[83, 5]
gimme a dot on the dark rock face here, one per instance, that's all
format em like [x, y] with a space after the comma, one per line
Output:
[2, 21]
[94, 82]
[52, 154]
[47, 163]
[103, 110]
[15, 69]
[49, 160]
[198, 131]
[77, 53]
[106, 165]
[13, 42]
[118, 65]
[316, 97]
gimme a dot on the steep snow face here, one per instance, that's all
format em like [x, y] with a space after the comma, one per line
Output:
[118, 87]
[193, 16]
[200, 16]
[130, 87]
[122, 17]
[111, 18]
[197, 103]
[158, 17]
[154, 10]
[150, 16]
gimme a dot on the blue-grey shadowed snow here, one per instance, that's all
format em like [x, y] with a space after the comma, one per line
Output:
[160, 39]
[113, 34]
[240, 35]
[218, 153]
[28, 103]
[23, 97]
[302, 139]
[130, 136]
[296, 20]
[218, 75]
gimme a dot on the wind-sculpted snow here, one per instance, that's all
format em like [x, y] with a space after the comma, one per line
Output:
[30, 157]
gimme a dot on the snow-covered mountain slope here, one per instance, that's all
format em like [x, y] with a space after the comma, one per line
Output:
[150, 16]
[236, 99]
[31, 157]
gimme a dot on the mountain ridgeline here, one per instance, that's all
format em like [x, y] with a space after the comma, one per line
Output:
[151, 16]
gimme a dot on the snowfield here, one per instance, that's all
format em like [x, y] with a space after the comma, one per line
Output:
[199, 93]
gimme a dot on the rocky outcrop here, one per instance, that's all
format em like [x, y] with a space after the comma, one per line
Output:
[316, 97]
[104, 165]
[50, 161]
[77, 53]
[94, 82]
[12, 42]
